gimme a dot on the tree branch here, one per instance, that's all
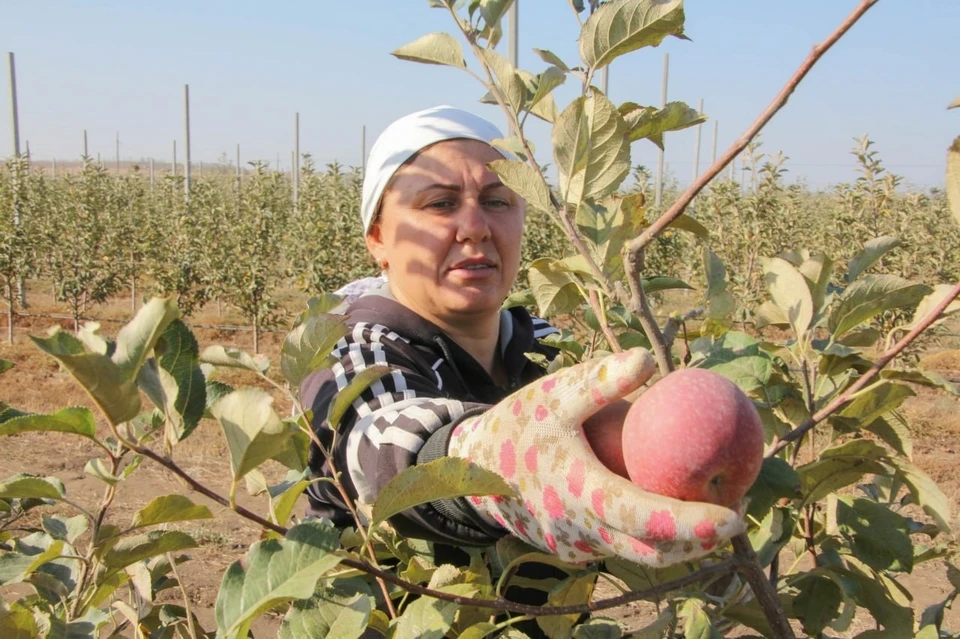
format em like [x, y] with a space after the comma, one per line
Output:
[763, 590]
[640, 307]
[678, 207]
[867, 377]
[722, 568]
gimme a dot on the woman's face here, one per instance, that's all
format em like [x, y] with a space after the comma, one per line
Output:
[449, 233]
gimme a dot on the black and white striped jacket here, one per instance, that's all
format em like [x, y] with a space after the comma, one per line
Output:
[406, 417]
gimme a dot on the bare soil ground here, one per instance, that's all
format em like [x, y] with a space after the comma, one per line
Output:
[36, 384]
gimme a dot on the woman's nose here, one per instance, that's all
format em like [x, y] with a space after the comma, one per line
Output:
[472, 222]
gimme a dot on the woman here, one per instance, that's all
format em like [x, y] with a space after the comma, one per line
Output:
[446, 233]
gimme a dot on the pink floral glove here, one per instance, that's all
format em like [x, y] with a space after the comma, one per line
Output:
[570, 504]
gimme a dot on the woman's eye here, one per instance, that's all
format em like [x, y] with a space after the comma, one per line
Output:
[496, 203]
[440, 204]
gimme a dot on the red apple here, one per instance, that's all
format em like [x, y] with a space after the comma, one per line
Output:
[604, 432]
[694, 435]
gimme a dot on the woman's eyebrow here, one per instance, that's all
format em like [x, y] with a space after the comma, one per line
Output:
[456, 187]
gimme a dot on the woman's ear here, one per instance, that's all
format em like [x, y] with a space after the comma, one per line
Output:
[375, 245]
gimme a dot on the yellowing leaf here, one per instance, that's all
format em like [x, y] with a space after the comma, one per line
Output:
[623, 26]
[591, 149]
[433, 48]
[524, 180]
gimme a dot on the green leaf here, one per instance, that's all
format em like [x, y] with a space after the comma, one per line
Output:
[650, 123]
[894, 433]
[769, 314]
[493, 10]
[511, 86]
[777, 479]
[310, 342]
[129, 550]
[657, 628]
[554, 287]
[97, 468]
[360, 382]
[928, 303]
[572, 591]
[551, 58]
[275, 571]
[840, 466]
[897, 620]
[168, 509]
[622, 26]
[925, 378]
[479, 630]
[75, 420]
[547, 81]
[876, 402]
[661, 283]
[253, 431]
[953, 178]
[284, 497]
[524, 180]
[749, 373]
[15, 567]
[924, 492]
[340, 610]
[136, 340]
[23, 486]
[591, 149]
[715, 273]
[872, 251]
[5, 365]
[690, 225]
[444, 478]
[66, 529]
[174, 382]
[817, 269]
[697, 623]
[598, 628]
[426, 618]
[871, 295]
[107, 384]
[817, 603]
[878, 537]
[18, 622]
[234, 358]
[789, 290]
[433, 48]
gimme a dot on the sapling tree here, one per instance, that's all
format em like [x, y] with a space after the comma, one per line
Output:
[256, 245]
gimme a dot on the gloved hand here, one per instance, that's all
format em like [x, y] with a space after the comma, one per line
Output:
[570, 504]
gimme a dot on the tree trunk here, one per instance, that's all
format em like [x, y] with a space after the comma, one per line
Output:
[83, 306]
[219, 307]
[133, 295]
[256, 333]
[10, 300]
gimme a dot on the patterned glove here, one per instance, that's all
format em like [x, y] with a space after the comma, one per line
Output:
[570, 504]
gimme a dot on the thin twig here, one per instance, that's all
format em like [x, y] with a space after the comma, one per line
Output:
[641, 308]
[867, 377]
[186, 600]
[200, 488]
[678, 207]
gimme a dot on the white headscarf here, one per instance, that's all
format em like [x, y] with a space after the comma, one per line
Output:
[405, 137]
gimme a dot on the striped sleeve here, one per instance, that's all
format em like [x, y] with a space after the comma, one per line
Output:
[383, 430]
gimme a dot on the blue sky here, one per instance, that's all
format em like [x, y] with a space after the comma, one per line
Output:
[109, 66]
